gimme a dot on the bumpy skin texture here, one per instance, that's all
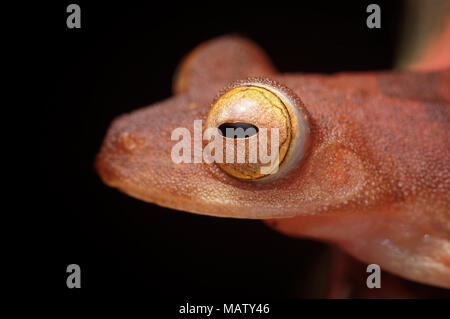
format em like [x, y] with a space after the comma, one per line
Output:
[375, 181]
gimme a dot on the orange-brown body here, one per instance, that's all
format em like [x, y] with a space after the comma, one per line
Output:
[375, 180]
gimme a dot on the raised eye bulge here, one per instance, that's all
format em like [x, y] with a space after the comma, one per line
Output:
[264, 127]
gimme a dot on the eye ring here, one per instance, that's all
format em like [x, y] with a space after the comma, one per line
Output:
[262, 103]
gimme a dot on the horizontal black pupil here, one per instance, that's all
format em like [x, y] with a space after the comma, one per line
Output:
[238, 130]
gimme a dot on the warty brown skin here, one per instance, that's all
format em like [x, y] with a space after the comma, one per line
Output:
[375, 180]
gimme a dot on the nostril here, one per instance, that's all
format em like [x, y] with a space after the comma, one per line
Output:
[237, 129]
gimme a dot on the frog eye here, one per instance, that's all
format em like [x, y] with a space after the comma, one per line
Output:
[262, 128]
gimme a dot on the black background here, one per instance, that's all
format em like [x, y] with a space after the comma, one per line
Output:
[123, 58]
